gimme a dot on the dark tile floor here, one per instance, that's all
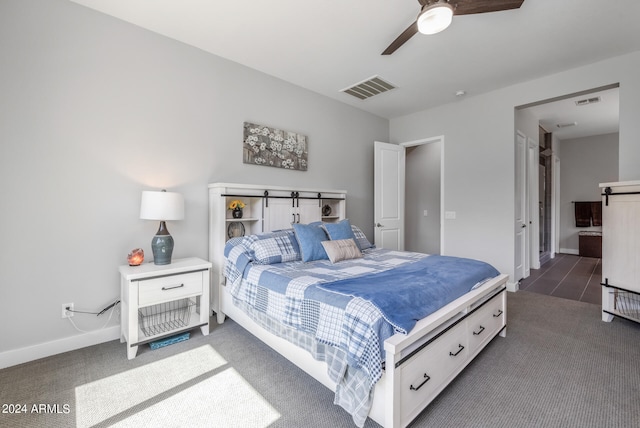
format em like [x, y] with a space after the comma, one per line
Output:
[567, 276]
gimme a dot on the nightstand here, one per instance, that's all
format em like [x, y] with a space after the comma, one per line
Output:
[163, 300]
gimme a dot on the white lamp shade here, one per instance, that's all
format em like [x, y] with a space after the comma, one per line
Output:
[435, 18]
[161, 206]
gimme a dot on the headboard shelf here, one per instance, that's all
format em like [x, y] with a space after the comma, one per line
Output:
[281, 197]
[267, 208]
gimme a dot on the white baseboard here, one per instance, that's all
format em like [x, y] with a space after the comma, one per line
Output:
[513, 286]
[570, 251]
[41, 350]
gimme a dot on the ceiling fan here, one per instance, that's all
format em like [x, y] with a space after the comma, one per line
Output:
[436, 15]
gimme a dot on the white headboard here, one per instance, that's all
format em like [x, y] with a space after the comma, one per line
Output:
[267, 208]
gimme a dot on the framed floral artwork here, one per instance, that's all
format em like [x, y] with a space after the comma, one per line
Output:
[268, 146]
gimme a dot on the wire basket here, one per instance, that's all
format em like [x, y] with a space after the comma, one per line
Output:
[627, 303]
[164, 317]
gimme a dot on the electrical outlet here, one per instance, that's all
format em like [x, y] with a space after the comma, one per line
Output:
[65, 312]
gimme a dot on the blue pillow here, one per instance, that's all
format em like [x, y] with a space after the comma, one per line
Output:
[310, 239]
[340, 230]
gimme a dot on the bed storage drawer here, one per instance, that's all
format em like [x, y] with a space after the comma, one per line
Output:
[431, 369]
[167, 288]
[486, 322]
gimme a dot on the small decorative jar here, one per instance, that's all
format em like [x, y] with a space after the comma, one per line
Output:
[236, 213]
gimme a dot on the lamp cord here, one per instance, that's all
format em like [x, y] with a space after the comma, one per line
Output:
[95, 313]
[111, 306]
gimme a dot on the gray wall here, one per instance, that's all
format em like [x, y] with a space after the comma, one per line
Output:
[423, 193]
[584, 163]
[479, 152]
[95, 110]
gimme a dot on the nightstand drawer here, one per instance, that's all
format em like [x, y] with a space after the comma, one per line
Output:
[172, 287]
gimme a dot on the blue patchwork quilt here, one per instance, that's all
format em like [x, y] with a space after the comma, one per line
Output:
[354, 305]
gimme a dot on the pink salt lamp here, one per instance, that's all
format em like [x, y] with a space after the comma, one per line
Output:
[136, 257]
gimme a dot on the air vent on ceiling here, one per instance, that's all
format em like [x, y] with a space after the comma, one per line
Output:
[368, 88]
[586, 101]
[566, 125]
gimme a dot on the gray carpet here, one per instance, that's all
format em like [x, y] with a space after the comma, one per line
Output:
[559, 366]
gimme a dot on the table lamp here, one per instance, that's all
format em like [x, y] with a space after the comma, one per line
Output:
[162, 206]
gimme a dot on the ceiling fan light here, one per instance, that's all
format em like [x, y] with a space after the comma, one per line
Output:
[435, 18]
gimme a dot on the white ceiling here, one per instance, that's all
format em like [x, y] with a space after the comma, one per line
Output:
[601, 117]
[330, 45]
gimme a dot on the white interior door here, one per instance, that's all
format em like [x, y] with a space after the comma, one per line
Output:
[389, 175]
[520, 207]
[555, 230]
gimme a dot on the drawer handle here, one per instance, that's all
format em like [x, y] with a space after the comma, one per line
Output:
[459, 350]
[415, 388]
[499, 313]
[477, 333]
[171, 288]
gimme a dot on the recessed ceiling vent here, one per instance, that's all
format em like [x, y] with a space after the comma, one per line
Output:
[586, 101]
[566, 125]
[368, 88]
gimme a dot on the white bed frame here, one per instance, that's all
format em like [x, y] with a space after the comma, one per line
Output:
[388, 410]
[419, 365]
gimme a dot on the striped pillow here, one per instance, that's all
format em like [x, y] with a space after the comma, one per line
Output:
[361, 238]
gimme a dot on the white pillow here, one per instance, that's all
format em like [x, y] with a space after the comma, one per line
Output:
[341, 249]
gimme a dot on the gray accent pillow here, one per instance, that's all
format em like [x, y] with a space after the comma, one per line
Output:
[341, 249]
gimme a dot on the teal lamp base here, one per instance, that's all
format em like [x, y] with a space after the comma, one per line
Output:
[162, 246]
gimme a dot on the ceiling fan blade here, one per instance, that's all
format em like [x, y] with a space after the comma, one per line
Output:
[402, 39]
[468, 7]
